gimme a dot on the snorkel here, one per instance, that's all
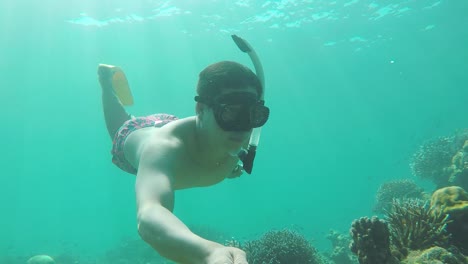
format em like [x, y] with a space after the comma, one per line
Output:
[247, 156]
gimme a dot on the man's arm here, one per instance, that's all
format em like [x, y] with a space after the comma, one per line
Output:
[157, 225]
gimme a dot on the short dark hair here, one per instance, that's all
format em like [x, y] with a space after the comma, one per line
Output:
[226, 75]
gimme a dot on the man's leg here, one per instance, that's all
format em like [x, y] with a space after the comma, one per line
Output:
[114, 113]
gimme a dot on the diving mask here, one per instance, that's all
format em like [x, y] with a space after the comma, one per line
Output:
[237, 111]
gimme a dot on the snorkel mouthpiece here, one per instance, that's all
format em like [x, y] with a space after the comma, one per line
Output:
[247, 157]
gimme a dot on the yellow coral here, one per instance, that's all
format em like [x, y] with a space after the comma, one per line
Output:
[451, 200]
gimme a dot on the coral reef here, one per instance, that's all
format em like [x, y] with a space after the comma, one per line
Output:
[458, 170]
[416, 232]
[396, 189]
[453, 201]
[281, 247]
[435, 255]
[414, 225]
[371, 241]
[440, 160]
[341, 254]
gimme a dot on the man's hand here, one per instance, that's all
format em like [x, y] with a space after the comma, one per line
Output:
[227, 255]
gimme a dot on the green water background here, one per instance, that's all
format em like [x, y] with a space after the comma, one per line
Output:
[354, 88]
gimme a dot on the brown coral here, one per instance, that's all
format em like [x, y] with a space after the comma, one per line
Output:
[371, 241]
[435, 255]
[453, 201]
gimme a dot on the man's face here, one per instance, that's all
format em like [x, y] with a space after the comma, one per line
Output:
[233, 140]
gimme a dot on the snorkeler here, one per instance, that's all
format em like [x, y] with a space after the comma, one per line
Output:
[167, 153]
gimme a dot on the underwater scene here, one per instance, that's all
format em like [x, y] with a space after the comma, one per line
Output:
[361, 105]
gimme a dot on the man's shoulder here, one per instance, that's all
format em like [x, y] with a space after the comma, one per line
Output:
[173, 137]
[180, 132]
[167, 148]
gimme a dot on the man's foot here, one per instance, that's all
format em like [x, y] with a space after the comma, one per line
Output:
[112, 79]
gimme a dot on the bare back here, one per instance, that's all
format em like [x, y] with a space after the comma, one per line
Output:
[177, 140]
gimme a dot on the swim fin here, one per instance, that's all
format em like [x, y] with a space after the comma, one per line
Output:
[120, 85]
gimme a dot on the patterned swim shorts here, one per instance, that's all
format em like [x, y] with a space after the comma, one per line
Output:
[118, 157]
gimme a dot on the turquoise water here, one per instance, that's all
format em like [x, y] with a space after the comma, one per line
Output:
[354, 88]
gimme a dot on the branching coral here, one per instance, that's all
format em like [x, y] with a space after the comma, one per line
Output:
[281, 247]
[396, 189]
[371, 241]
[414, 225]
[433, 159]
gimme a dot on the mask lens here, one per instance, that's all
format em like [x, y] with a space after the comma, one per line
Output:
[240, 112]
[259, 115]
[230, 113]
[233, 117]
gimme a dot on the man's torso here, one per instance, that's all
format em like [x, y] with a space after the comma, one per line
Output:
[188, 173]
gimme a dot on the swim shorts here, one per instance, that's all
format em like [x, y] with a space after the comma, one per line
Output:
[118, 157]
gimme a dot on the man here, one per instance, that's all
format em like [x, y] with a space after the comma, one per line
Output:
[168, 154]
